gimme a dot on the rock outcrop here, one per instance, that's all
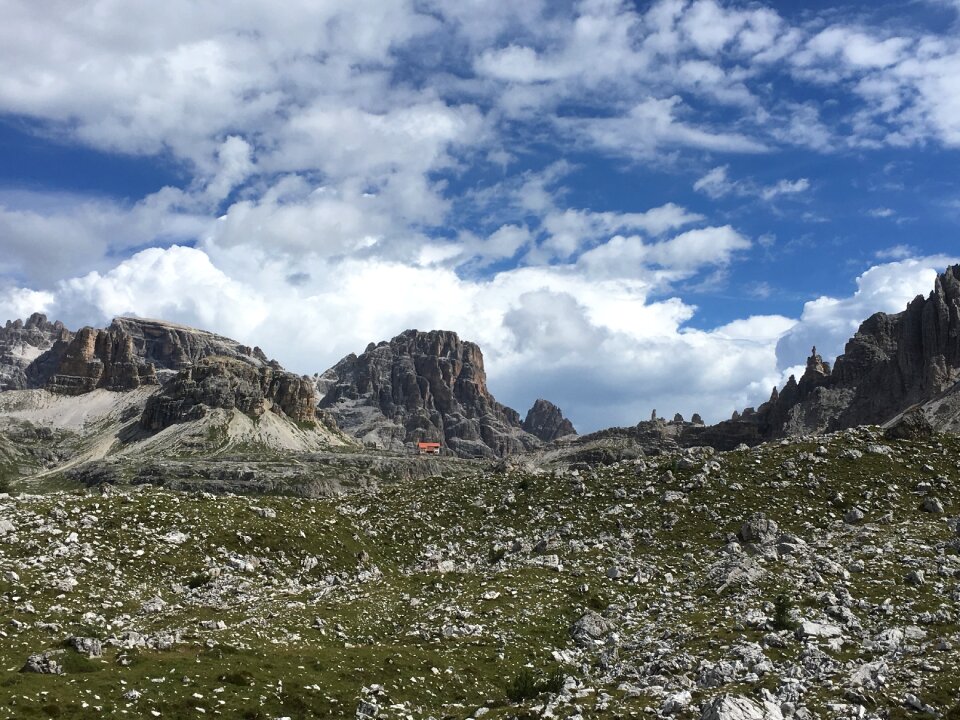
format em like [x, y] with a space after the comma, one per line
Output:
[129, 353]
[21, 343]
[911, 425]
[892, 363]
[230, 383]
[169, 346]
[545, 421]
[89, 360]
[422, 386]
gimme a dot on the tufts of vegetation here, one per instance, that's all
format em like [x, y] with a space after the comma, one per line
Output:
[783, 612]
[526, 686]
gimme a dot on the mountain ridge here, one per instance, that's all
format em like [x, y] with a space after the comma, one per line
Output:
[431, 385]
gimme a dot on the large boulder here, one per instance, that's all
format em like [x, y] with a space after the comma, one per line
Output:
[734, 707]
[912, 425]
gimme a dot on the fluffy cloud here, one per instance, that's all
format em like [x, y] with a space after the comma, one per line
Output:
[177, 282]
[48, 235]
[653, 124]
[570, 230]
[141, 78]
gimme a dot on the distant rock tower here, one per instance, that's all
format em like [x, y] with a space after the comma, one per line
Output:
[816, 366]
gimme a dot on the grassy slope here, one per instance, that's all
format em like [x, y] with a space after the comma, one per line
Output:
[430, 638]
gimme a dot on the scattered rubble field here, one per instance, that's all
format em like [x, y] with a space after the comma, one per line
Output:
[811, 578]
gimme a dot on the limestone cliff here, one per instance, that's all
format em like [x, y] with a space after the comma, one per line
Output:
[892, 363]
[428, 386]
[91, 359]
[230, 383]
[169, 346]
[124, 356]
[546, 421]
[21, 343]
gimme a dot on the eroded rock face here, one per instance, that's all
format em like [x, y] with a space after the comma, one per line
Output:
[174, 347]
[126, 355]
[892, 363]
[89, 360]
[21, 343]
[545, 420]
[230, 383]
[422, 386]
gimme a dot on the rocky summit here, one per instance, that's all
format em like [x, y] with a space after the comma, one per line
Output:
[223, 382]
[188, 529]
[892, 363]
[546, 421]
[21, 343]
[422, 386]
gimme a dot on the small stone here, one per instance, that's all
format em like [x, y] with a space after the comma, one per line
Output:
[588, 630]
[731, 707]
[367, 709]
[153, 605]
[678, 702]
[91, 647]
[818, 630]
[758, 530]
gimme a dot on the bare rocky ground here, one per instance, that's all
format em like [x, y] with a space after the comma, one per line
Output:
[811, 578]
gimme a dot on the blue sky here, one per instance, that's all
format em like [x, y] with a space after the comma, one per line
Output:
[627, 205]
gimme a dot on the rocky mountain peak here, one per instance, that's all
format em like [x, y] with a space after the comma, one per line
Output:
[816, 367]
[92, 359]
[39, 322]
[21, 343]
[545, 420]
[892, 363]
[422, 386]
[129, 353]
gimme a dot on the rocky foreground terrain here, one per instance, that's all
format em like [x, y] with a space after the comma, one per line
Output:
[810, 578]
